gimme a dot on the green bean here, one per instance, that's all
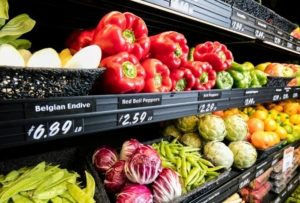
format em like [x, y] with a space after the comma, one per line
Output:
[200, 178]
[162, 149]
[192, 161]
[178, 163]
[183, 167]
[203, 166]
[212, 173]
[216, 168]
[193, 173]
[188, 166]
[206, 162]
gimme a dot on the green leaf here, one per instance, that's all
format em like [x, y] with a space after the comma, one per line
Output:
[17, 26]
[20, 43]
[2, 22]
[4, 9]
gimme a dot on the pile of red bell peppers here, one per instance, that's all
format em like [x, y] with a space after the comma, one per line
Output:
[136, 62]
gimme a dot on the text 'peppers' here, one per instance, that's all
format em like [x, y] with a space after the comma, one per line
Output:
[117, 32]
[182, 79]
[170, 48]
[214, 53]
[123, 74]
[205, 76]
[157, 76]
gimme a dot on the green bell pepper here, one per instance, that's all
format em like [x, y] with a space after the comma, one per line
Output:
[224, 80]
[244, 67]
[254, 80]
[261, 76]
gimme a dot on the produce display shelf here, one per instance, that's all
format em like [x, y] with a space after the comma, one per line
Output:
[227, 17]
[241, 179]
[34, 120]
[291, 186]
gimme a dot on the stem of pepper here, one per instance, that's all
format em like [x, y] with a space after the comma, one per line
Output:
[178, 51]
[180, 85]
[129, 70]
[204, 78]
[157, 80]
[128, 36]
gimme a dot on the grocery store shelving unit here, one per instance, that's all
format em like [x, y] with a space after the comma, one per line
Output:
[29, 121]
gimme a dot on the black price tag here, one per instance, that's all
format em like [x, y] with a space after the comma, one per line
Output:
[207, 107]
[259, 34]
[132, 118]
[139, 101]
[52, 129]
[260, 169]
[245, 180]
[277, 40]
[249, 101]
[60, 107]
[209, 95]
[182, 6]
[251, 92]
[238, 26]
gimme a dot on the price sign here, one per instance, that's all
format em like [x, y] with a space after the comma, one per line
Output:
[237, 26]
[288, 156]
[277, 40]
[53, 129]
[297, 48]
[289, 45]
[295, 95]
[181, 6]
[207, 107]
[290, 187]
[276, 97]
[285, 96]
[259, 34]
[278, 200]
[132, 118]
[249, 101]
[261, 168]
[244, 183]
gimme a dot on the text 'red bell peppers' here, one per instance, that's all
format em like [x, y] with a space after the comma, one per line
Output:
[204, 74]
[117, 32]
[170, 48]
[214, 53]
[182, 79]
[157, 76]
[123, 74]
[79, 39]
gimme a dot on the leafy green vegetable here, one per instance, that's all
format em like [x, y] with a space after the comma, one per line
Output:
[17, 26]
[20, 43]
[3, 9]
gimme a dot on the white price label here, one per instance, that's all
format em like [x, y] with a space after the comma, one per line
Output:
[277, 40]
[237, 26]
[276, 97]
[289, 45]
[131, 118]
[207, 107]
[182, 6]
[259, 34]
[53, 129]
[288, 156]
[297, 48]
[249, 101]
[244, 183]
[295, 95]
[285, 96]
[278, 200]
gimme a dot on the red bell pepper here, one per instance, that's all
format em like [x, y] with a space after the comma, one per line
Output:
[157, 76]
[123, 74]
[117, 32]
[204, 73]
[79, 39]
[214, 53]
[182, 79]
[170, 48]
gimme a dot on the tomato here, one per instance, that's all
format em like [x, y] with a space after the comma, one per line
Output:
[219, 113]
[255, 124]
[270, 124]
[264, 139]
[291, 108]
[260, 114]
[281, 132]
[280, 70]
[295, 119]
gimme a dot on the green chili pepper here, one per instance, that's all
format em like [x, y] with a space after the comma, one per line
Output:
[206, 162]
[191, 176]
[183, 167]
[215, 168]
[224, 80]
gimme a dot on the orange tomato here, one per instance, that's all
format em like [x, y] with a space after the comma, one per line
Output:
[260, 114]
[244, 116]
[270, 124]
[260, 107]
[291, 108]
[219, 113]
[255, 124]
[281, 132]
[278, 108]
[264, 139]
[295, 119]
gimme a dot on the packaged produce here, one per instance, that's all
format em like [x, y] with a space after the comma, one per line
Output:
[123, 74]
[219, 154]
[170, 48]
[244, 154]
[260, 180]
[182, 79]
[258, 195]
[205, 76]
[157, 76]
[122, 32]
[45, 182]
[236, 127]
[212, 128]
[214, 53]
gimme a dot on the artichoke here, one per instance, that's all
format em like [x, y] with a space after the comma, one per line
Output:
[171, 130]
[219, 154]
[187, 124]
[191, 139]
[236, 127]
[244, 154]
[212, 128]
